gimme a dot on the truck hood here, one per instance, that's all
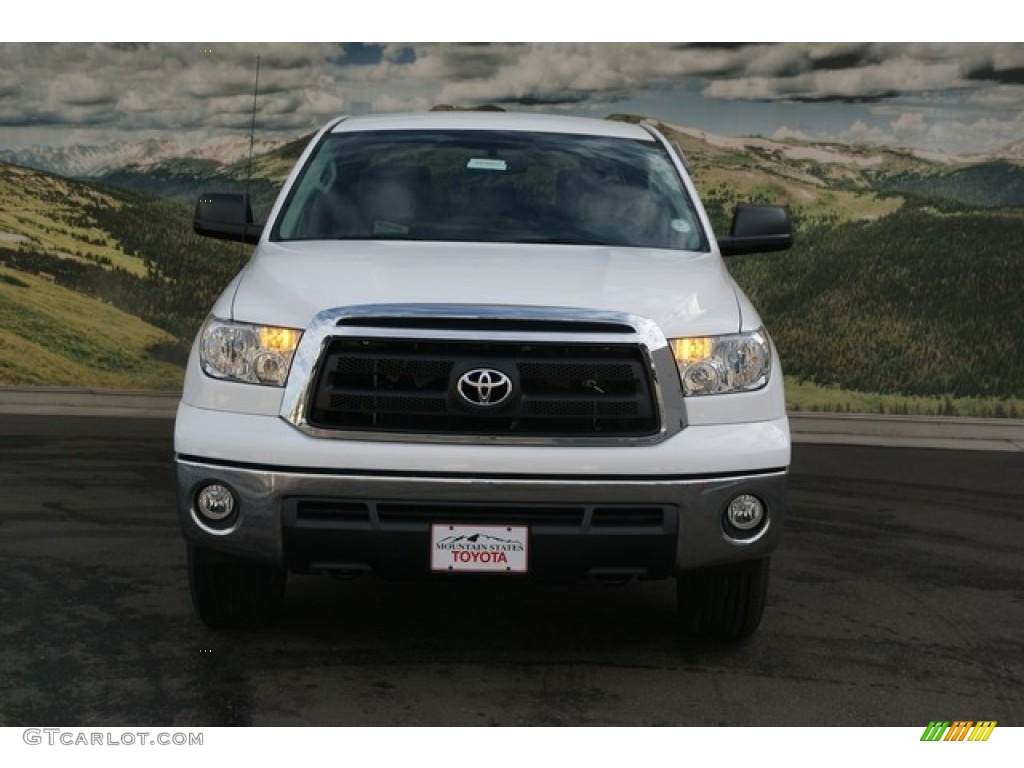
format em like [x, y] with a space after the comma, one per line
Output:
[287, 284]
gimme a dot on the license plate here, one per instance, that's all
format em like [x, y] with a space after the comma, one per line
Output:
[479, 548]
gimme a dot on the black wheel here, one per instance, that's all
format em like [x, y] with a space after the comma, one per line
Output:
[725, 602]
[229, 593]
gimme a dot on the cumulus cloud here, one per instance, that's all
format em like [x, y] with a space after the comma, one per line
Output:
[869, 75]
[208, 87]
[861, 132]
[909, 122]
[940, 133]
[160, 86]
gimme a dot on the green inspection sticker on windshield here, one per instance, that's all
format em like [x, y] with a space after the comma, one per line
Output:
[487, 164]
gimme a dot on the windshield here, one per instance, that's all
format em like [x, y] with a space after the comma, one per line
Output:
[490, 186]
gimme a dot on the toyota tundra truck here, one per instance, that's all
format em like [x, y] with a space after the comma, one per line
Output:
[492, 346]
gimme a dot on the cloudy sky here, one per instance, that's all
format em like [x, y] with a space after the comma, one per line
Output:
[953, 98]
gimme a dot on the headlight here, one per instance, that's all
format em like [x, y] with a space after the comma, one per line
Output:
[715, 365]
[256, 354]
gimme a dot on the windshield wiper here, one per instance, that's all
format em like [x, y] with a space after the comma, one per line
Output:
[558, 241]
[378, 236]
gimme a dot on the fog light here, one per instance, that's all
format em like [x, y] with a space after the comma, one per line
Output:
[215, 502]
[745, 513]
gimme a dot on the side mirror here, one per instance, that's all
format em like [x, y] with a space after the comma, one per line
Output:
[757, 229]
[226, 217]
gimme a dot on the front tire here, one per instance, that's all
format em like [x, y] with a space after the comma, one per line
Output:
[230, 593]
[724, 602]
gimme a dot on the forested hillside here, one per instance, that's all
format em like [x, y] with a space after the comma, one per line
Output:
[133, 252]
[993, 184]
[925, 301]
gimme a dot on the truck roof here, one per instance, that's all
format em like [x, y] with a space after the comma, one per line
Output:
[490, 121]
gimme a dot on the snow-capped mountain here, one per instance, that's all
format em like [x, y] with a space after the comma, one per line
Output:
[88, 161]
[857, 155]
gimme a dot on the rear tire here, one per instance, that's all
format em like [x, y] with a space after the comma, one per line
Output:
[723, 602]
[231, 593]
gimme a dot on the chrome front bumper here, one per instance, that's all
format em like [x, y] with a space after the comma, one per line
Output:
[267, 528]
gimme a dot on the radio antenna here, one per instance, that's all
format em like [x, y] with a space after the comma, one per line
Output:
[252, 129]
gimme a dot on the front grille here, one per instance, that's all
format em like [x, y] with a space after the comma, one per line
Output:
[426, 514]
[410, 386]
[601, 518]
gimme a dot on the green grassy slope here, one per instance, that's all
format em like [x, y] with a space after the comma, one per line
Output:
[51, 335]
[53, 215]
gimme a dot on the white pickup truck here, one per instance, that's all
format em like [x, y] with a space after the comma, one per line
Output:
[491, 346]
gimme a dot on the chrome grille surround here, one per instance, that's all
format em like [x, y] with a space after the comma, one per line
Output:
[490, 324]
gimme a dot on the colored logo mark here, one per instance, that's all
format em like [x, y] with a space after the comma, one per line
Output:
[959, 730]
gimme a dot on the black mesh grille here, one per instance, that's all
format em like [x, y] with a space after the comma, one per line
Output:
[410, 385]
[338, 512]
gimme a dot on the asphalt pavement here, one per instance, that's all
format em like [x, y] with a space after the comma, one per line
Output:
[896, 598]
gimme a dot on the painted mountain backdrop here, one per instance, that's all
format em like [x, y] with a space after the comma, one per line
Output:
[901, 294]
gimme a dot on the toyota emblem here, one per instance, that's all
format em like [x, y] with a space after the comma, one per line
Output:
[484, 386]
